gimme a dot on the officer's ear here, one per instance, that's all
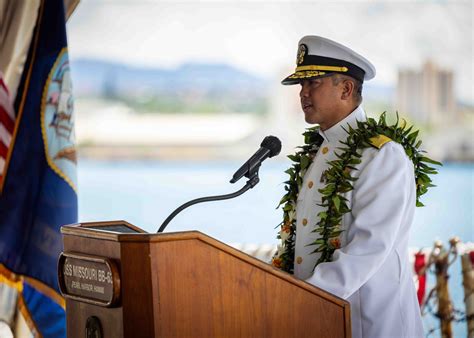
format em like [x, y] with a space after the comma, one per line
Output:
[348, 87]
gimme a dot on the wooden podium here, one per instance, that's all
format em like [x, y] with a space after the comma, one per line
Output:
[120, 281]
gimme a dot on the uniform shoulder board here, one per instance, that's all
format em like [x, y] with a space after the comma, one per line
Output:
[379, 140]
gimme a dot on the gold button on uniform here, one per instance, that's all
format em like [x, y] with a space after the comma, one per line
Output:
[325, 150]
[310, 184]
[299, 259]
[305, 221]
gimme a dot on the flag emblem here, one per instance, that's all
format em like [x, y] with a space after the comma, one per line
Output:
[57, 120]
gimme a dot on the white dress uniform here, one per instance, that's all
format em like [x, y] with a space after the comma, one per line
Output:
[371, 270]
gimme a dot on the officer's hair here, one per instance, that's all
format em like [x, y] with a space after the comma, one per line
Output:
[357, 93]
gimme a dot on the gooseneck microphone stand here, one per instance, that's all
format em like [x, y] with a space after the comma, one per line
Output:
[252, 182]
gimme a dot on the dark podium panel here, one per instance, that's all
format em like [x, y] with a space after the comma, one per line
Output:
[120, 281]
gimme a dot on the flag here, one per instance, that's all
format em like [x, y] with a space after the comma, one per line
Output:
[38, 184]
[7, 124]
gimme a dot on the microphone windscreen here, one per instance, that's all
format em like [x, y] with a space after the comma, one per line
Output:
[273, 144]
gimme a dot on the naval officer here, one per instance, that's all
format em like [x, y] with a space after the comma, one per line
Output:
[370, 269]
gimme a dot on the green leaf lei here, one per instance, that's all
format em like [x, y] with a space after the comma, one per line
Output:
[339, 181]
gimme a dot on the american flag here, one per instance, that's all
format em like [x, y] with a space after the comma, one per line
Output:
[7, 125]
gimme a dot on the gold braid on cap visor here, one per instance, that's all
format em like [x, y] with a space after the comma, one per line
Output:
[305, 74]
[302, 72]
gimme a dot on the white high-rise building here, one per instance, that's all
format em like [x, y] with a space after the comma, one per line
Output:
[427, 95]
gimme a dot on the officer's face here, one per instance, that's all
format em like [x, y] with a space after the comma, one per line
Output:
[321, 102]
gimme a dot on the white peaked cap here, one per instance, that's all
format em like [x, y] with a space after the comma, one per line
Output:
[318, 57]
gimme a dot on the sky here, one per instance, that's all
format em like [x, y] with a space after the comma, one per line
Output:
[261, 37]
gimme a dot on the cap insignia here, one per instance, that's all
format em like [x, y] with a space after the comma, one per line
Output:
[302, 50]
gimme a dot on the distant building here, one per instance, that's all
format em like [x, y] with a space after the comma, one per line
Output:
[427, 96]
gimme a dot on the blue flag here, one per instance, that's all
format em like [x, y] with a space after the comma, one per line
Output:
[38, 190]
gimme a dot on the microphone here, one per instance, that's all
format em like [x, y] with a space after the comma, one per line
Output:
[269, 147]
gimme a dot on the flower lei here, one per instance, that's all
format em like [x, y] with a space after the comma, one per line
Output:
[339, 181]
